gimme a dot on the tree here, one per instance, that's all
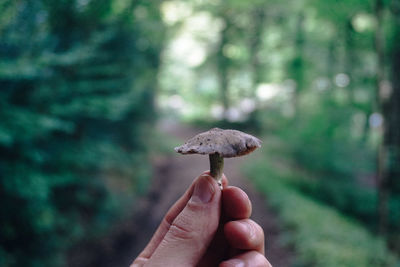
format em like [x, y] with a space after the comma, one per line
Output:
[389, 105]
[223, 61]
[76, 107]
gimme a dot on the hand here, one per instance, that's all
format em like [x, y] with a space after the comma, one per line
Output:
[207, 227]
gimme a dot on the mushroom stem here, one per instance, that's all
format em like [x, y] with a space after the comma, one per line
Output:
[216, 167]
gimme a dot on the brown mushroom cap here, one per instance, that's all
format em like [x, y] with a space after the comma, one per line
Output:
[227, 143]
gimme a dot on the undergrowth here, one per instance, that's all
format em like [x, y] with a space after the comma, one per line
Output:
[321, 235]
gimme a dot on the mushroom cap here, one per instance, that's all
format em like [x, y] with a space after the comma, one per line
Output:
[227, 143]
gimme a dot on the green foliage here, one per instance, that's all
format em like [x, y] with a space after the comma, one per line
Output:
[327, 141]
[319, 76]
[347, 197]
[360, 203]
[324, 139]
[321, 236]
[76, 107]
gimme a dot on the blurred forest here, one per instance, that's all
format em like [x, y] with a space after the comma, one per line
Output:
[77, 106]
[84, 82]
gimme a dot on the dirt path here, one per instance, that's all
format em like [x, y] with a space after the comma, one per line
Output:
[172, 175]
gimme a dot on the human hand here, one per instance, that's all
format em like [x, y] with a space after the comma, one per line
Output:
[207, 227]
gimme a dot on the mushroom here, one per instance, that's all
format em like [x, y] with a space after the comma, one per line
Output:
[220, 144]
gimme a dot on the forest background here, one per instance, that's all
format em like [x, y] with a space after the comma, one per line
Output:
[83, 84]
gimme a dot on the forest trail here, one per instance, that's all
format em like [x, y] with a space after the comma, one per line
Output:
[172, 176]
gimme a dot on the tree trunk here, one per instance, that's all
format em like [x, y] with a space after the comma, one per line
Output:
[222, 67]
[297, 65]
[350, 57]
[382, 185]
[389, 105]
[389, 172]
[394, 115]
[258, 15]
[391, 111]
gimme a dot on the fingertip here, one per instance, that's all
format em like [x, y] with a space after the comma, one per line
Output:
[206, 178]
[236, 204]
[207, 172]
[245, 235]
[225, 181]
[249, 258]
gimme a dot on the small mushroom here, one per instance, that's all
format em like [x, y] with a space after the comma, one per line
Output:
[220, 144]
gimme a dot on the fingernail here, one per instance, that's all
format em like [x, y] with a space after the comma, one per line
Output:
[203, 191]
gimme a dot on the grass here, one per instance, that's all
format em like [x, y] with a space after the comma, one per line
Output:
[321, 235]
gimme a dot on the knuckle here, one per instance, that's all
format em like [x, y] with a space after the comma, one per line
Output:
[181, 231]
[195, 208]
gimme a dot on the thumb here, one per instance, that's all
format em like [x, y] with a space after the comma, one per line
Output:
[191, 232]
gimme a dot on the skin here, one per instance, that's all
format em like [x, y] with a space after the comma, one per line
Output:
[212, 229]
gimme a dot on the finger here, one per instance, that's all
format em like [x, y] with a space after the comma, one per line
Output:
[218, 248]
[245, 235]
[167, 221]
[250, 258]
[224, 181]
[192, 230]
[235, 203]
